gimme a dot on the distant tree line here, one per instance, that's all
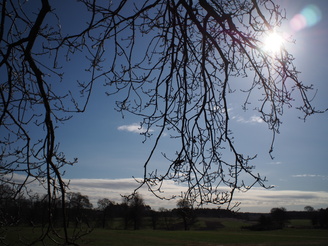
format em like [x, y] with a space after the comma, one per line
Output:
[319, 217]
[278, 218]
[132, 213]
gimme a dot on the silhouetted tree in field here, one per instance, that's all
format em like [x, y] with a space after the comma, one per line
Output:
[323, 218]
[265, 222]
[167, 218]
[106, 207]
[279, 217]
[186, 213]
[174, 63]
[155, 217]
[77, 208]
[10, 206]
[135, 209]
[309, 209]
[320, 218]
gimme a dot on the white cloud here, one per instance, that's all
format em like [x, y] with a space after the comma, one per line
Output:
[114, 189]
[275, 163]
[304, 175]
[135, 128]
[255, 200]
[252, 119]
[309, 176]
[258, 199]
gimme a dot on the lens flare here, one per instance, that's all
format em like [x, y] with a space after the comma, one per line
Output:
[273, 43]
[309, 16]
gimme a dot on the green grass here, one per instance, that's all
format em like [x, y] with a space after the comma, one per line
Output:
[230, 235]
[233, 224]
[208, 238]
[301, 223]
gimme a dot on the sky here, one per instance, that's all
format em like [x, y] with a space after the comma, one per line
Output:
[111, 151]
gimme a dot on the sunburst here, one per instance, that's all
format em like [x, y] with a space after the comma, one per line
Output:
[273, 43]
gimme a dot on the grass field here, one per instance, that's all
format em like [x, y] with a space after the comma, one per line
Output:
[206, 238]
[230, 235]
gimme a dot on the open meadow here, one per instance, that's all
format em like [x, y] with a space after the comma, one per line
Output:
[230, 234]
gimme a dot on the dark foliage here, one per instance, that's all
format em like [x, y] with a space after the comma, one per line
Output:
[277, 219]
[320, 218]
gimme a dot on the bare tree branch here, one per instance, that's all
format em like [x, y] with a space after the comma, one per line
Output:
[172, 62]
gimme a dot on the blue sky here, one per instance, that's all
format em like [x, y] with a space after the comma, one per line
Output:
[111, 150]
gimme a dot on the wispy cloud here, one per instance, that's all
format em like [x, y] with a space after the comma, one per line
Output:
[253, 119]
[309, 176]
[304, 175]
[275, 163]
[135, 128]
[245, 120]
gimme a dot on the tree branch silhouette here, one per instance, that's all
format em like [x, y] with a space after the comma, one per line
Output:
[172, 63]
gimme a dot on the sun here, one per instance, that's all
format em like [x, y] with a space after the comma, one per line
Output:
[273, 43]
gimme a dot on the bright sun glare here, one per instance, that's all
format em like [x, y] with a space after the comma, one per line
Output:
[273, 43]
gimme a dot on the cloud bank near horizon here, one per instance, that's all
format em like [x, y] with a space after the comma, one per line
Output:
[255, 200]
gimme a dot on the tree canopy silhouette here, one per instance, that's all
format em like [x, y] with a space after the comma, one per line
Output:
[172, 62]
